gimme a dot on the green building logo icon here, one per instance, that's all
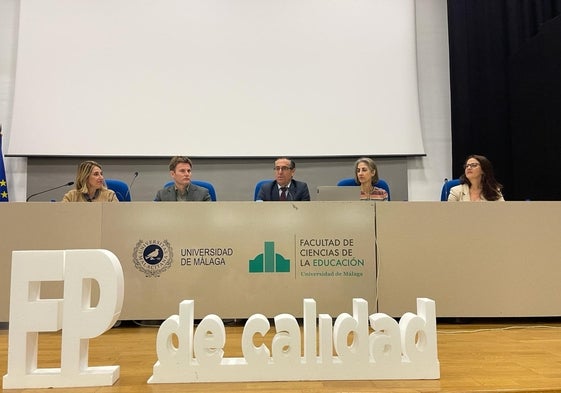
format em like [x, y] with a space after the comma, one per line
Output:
[269, 262]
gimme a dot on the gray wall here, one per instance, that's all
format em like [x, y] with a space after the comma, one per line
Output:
[233, 178]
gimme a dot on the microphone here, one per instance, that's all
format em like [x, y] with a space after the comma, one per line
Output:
[50, 189]
[127, 195]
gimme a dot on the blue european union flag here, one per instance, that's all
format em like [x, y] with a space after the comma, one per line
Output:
[3, 182]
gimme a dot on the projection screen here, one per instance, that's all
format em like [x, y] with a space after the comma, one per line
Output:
[216, 78]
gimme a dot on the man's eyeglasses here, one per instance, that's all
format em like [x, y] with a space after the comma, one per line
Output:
[471, 165]
[281, 169]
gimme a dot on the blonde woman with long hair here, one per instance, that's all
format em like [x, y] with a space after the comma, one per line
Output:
[90, 185]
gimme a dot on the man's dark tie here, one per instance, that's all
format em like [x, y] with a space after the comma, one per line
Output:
[283, 193]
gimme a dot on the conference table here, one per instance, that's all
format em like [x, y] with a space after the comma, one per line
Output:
[235, 259]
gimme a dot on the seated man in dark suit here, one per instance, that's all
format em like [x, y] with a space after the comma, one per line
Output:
[284, 187]
[182, 189]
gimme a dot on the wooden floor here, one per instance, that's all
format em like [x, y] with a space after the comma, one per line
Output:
[521, 357]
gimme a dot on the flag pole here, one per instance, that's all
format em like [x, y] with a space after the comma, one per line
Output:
[3, 182]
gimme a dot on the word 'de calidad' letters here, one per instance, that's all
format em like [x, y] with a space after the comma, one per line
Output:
[381, 348]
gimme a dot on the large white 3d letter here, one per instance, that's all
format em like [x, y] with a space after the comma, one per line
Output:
[29, 315]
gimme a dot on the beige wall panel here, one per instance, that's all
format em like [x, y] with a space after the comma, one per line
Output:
[473, 259]
[44, 226]
[242, 228]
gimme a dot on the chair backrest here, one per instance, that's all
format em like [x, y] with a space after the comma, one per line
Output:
[258, 187]
[200, 183]
[121, 189]
[448, 184]
[350, 181]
